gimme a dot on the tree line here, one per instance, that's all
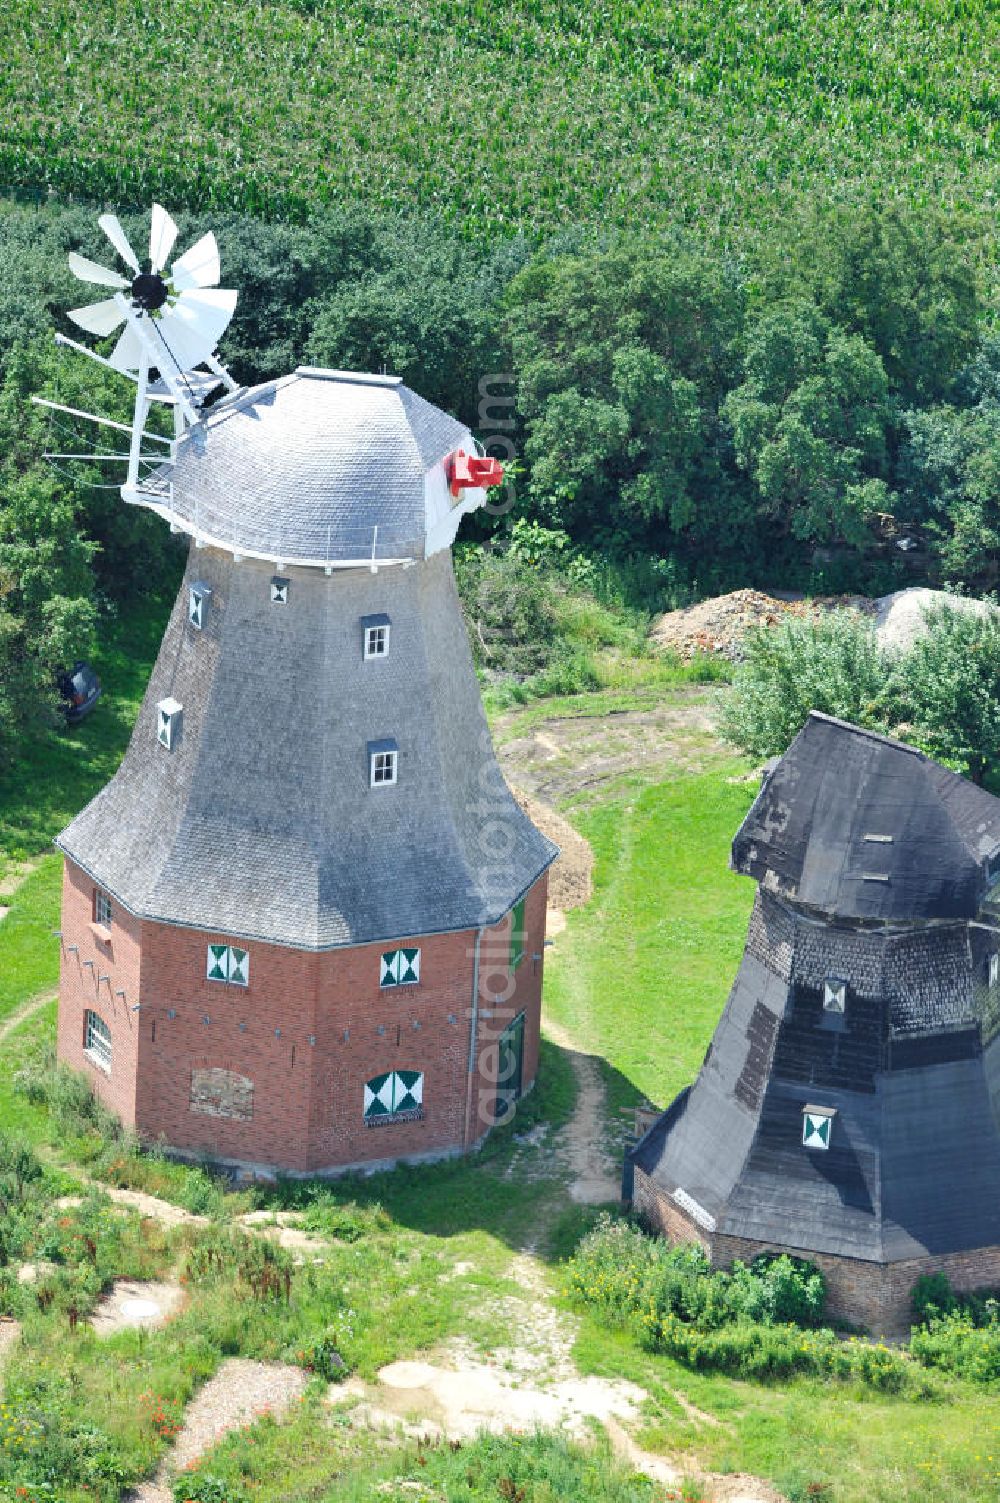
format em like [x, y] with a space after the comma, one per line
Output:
[820, 413]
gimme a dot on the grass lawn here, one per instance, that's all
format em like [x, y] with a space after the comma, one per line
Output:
[61, 770]
[29, 954]
[817, 1442]
[641, 974]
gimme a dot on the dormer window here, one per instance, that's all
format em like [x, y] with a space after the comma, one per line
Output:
[817, 1126]
[279, 590]
[375, 630]
[835, 996]
[198, 597]
[168, 722]
[382, 759]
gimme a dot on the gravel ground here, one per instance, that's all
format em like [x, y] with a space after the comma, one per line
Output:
[240, 1392]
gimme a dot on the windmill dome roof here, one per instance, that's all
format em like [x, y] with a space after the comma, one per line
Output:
[317, 467]
[857, 825]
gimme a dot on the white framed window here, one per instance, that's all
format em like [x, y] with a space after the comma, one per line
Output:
[817, 1126]
[375, 636]
[228, 963]
[835, 995]
[102, 908]
[198, 596]
[279, 590]
[399, 968]
[168, 722]
[396, 1096]
[993, 969]
[383, 757]
[97, 1041]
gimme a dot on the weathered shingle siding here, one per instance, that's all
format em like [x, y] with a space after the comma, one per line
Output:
[261, 821]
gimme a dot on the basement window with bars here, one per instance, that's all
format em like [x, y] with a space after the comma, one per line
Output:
[383, 757]
[397, 1096]
[517, 935]
[399, 968]
[228, 963]
[97, 1041]
[102, 908]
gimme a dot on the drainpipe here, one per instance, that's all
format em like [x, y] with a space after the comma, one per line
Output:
[473, 1038]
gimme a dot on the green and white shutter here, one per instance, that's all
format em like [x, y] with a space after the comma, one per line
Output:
[218, 963]
[393, 1094]
[228, 963]
[817, 1126]
[168, 722]
[399, 968]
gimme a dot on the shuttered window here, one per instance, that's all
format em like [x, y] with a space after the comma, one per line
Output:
[399, 968]
[396, 1096]
[228, 963]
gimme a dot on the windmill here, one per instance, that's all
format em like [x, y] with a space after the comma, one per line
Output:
[170, 322]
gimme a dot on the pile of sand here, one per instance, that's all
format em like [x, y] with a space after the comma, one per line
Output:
[570, 876]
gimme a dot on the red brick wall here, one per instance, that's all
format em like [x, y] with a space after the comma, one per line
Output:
[305, 1031]
[503, 994]
[81, 988]
[874, 1295]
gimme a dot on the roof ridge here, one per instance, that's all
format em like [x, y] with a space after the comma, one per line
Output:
[862, 730]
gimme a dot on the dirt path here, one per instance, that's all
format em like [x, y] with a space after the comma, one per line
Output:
[595, 1178]
[26, 1009]
[567, 757]
[239, 1393]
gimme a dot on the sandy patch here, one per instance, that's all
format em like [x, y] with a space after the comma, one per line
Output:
[283, 1228]
[152, 1206]
[30, 1273]
[131, 1303]
[570, 877]
[900, 618]
[461, 1401]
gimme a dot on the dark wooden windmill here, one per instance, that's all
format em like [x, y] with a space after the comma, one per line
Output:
[848, 1109]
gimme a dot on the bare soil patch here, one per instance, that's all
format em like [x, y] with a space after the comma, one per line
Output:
[131, 1303]
[573, 756]
[570, 878]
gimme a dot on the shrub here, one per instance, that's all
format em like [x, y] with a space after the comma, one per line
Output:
[831, 663]
[955, 1344]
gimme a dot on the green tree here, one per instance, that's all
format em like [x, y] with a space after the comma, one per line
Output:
[949, 690]
[809, 424]
[830, 662]
[949, 483]
[622, 356]
[902, 278]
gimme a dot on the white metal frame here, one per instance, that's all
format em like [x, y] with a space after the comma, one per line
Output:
[384, 768]
[97, 1040]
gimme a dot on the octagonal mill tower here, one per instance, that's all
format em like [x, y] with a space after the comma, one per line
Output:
[303, 924]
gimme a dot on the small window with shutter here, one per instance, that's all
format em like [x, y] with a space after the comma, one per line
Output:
[198, 597]
[168, 722]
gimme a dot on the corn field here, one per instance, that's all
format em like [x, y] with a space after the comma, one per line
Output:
[512, 114]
